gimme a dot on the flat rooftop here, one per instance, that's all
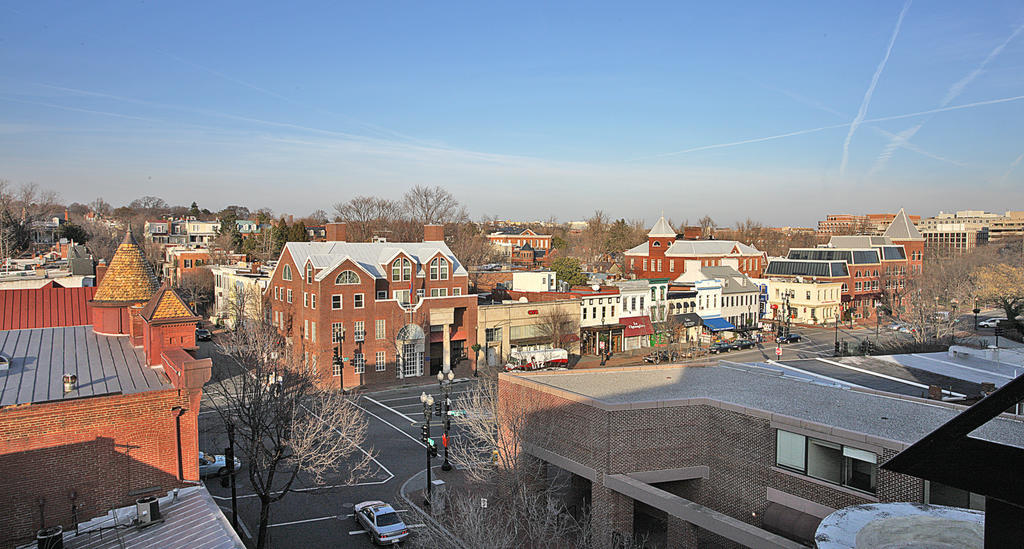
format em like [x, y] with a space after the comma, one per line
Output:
[40, 357]
[887, 416]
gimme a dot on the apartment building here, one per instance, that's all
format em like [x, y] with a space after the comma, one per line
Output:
[390, 310]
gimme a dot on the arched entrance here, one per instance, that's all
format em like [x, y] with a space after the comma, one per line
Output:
[410, 343]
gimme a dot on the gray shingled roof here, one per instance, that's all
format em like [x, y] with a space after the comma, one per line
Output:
[104, 365]
[687, 248]
[735, 282]
[883, 416]
[902, 228]
[372, 257]
[662, 228]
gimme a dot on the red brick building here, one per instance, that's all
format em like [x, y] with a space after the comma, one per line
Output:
[870, 224]
[867, 266]
[392, 310]
[664, 255]
[125, 427]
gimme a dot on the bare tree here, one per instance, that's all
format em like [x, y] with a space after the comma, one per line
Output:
[707, 226]
[197, 287]
[433, 205]
[367, 215]
[289, 431]
[559, 328]
[244, 305]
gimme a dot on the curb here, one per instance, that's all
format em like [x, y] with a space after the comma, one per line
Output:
[426, 515]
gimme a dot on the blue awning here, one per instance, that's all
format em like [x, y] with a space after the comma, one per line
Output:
[717, 323]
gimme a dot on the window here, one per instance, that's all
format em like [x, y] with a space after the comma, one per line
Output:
[456, 291]
[492, 335]
[312, 331]
[359, 363]
[277, 293]
[188, 263]
[657, 244]
[613, 310]
[336, 302]
[584, 313]
[359, 330]
[312, 301]
[401, 270]
[382, 295]
[632, 303]
[439, 292]
[645, 265]
[305, 328]
[856, 286]
[357, 301]
[641, 303]
[940, 494]
[439, 269]
[659, 265]
[305, 299]
[828, 461]
[381, 361]
[289, 295]
[336, 368]
[402, 296]
[671, 265]
[309, 274]
[380, 325]
[347, 277]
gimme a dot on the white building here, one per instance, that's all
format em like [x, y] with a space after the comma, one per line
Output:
[636, 310]
[534, 281]
[202, 232]
[238, 289]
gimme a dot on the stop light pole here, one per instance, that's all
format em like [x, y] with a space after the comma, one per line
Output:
[428, 403]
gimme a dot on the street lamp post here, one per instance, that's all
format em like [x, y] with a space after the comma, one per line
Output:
[339, 363]
[837, 333]
[428, 404]
[976, 311]
[445, 378]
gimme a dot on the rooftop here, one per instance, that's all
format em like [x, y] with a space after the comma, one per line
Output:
[895, 418]
[190, 521]
[902, 228]
[104, 365]
[689, 248]
[372, 257]
[130, 277]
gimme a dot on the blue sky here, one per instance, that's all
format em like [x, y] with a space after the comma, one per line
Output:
[524, 110]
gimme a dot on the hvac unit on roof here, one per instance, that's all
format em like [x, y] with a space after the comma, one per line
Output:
[148, 509]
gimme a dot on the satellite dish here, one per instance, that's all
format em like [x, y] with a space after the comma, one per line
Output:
[523, 299]
[596, 287]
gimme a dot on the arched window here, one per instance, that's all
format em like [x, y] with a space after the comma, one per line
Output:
[876, 272]
[845, 287]
[286, 273]
[857, 274]
[657, 244]
[439, 269]
[401, 270]
[347, 277]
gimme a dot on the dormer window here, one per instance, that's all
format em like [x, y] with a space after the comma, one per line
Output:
[657, 244]
[401, 270]
[439, 269]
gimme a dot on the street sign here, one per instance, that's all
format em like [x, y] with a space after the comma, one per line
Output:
[483, 503]
[778, 352]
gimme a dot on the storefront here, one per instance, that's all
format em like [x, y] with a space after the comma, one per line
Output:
[636, 332]
[716, 326]
[598, 339]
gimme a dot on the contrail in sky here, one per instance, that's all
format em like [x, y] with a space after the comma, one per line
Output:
[954, 91]
[1011, 168]
[843, 125]
[863, 111]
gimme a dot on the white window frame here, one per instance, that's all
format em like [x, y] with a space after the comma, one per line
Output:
[358, 301]
[337, 302]
[359, 362]
[381, 361]
[380, 327]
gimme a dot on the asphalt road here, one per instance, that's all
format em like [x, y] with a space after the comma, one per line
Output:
[321, 515]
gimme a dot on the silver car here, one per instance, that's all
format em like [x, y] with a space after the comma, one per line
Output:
[215, 465]
[381, 522]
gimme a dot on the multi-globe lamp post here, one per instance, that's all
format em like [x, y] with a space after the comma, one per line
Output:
[428, 404]
[445, 378]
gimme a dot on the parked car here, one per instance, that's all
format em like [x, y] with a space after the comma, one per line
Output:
[720, 347]
[202, 334]
[791, 338]
[381, 522]
[990, 322]
[743, 344]
[210, 465]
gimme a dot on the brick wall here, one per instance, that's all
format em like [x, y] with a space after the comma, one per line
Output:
[108, 450]
[738, 449]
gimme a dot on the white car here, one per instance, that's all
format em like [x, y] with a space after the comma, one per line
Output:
[215, 465]
[990, 322]
[381, 522]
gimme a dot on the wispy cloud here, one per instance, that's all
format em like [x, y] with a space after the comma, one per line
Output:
[833, 126]
[863, 110]
[1013, 166]
[902, 139]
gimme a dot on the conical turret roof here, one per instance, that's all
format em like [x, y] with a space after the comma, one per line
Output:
[662, 228]
[902, 228]
[129, 278]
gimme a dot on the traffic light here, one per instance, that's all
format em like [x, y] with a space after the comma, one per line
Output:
[424, 433]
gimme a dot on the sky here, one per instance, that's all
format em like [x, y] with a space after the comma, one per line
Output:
[779, 112]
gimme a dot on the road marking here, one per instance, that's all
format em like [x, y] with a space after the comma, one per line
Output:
[416, 397]
[379, 464]
[420, 525]
[307, 520]
[310, 489]
[884, 376]
[386, 407]
[412, 438]
[356, 532]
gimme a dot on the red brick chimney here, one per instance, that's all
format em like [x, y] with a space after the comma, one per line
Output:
[433, 233]
[101, 269]
[336, 232]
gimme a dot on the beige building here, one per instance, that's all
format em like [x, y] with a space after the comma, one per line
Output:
[1008, 224]
[947, 239]
[517, 325]
[814, 303]
[238, 289]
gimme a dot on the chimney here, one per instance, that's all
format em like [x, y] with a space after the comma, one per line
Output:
[101, 269]
[433, 233]
[336, 232]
